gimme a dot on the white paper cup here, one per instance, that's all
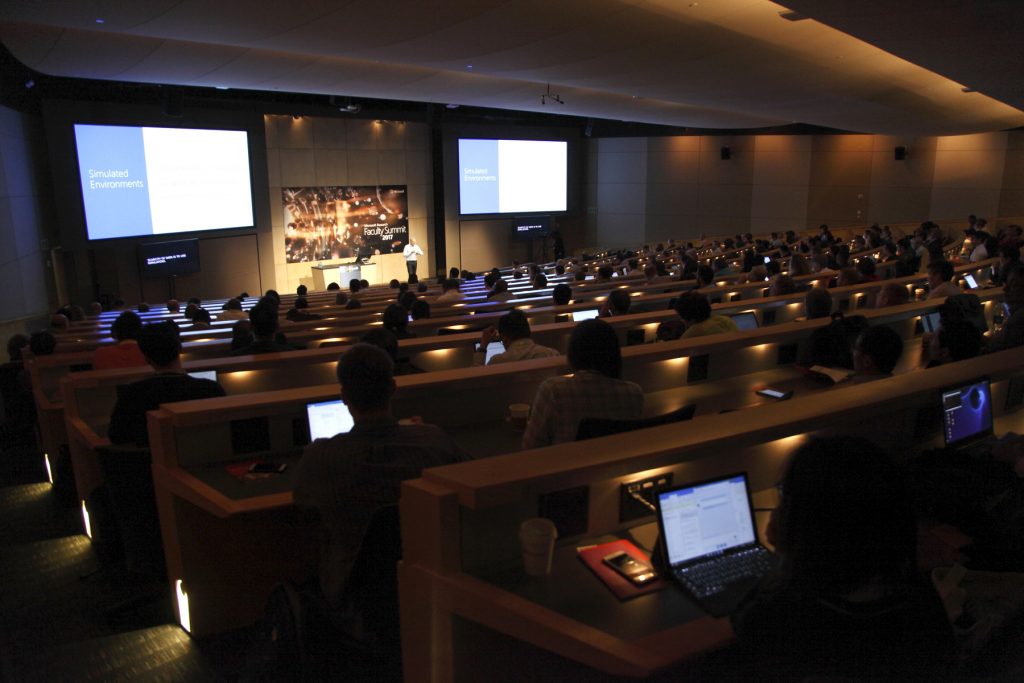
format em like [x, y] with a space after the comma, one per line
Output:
[518, 414]
[537, 539]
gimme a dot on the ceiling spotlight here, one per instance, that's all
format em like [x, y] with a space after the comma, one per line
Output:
[548, 95]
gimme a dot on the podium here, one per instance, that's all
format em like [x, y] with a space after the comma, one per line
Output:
[340, 273]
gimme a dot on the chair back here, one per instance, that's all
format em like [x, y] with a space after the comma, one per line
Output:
[128, 479]
[593, 427]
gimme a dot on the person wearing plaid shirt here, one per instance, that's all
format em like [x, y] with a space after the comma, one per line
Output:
[594, 389]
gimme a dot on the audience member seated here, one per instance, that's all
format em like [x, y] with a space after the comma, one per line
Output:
[955, 340]
[450, 293]
[817, 303]
[782, 285]
[59, 322]
[832, 345]
[346, 478]
[383, 339]
[616, 303]
[500, 291]
[333, 286]
[341, 298]
[173, 306]
[354, 287]
[1012, 334]
[561, 295]
[705, 277]
[695, 311]
[264, 328]
[42, 343]
[95, 308]
[846, 601]
[594, 389]
[299, 311]
[875, 353]
[301, 290]
[892, 294]
[420, 309]
[201, 319]
[232, 311]
[866, 267]
[241, 334]
[125, 353]
[160, 343]
[513, 330]
[939, 275]
[396, 321]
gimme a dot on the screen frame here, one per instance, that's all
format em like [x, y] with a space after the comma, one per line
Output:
[75, 172]
[988, 431]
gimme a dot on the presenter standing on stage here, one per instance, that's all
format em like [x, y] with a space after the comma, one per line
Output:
[411, 251]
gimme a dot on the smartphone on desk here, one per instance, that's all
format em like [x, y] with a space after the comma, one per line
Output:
[268, 467]
[638, 573]
[775, 393]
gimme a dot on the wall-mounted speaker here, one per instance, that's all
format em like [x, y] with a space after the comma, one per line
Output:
[726, 153]
[899, 153]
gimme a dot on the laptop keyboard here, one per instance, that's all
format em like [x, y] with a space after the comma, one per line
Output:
[708, 578]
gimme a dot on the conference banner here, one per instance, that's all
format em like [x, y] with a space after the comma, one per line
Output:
[323, 223]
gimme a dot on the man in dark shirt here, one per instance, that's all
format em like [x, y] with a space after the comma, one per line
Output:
[264, 328]
[160, 343]
[348, 477]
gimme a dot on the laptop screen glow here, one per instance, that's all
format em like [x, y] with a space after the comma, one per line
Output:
[590, 314]
[204, 374]
[328, 418]
[493, 349]
[967, 413]
[706, 519]
[745, 321]
[971, 282]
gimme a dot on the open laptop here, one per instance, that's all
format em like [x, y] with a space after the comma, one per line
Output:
[745, 320]
[328, 418]
[588, 314]
[967, 414]
[204, 374]
[931, 322]
[493, 349]
[710, 542]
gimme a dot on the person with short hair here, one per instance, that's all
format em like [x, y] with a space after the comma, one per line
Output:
[348, 477]
[386, 340]
[264, 327]
[845, 600]
[817, 303]
[341, 298]
[396, 321]
[594, 389]
[616, 303]
[160, 343]
[955, 340]
[561, 295]
[940, 274]
[876, 353]
[42, 343]
[59, 322]
[513, 330]
[333, 286]
[450, 293]
[892, 294]
[420, 309]
[241, 334]
[173, 306]
[411, 252]
[125, 353]
[299, 311]
[201, 319]
[694, 310]
[500, 291]
[301, 290]
[232, 310]
[782, 285]
[1012, 333]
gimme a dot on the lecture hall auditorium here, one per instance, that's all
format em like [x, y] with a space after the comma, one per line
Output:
[739, 152]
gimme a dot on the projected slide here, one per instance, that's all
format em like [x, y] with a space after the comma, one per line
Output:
[512, 176]
[152, 181]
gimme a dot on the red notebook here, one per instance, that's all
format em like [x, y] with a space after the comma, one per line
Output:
[622, 587]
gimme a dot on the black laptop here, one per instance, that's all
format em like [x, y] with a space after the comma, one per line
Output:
[710, 542]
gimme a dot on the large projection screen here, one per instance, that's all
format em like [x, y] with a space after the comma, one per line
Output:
[512, 176]
[139, 181]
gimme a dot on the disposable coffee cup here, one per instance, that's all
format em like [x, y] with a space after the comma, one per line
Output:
[518, 414]
[537, 538]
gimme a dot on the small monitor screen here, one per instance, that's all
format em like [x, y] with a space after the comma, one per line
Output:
[163, 259]
[745, 321]
[204, 374]
[328, 418]
[706, 519]
[578, 316]
[531, 226]
[967, 413]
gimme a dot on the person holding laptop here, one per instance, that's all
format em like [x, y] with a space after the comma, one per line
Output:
[346, 478]
[846, 599]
